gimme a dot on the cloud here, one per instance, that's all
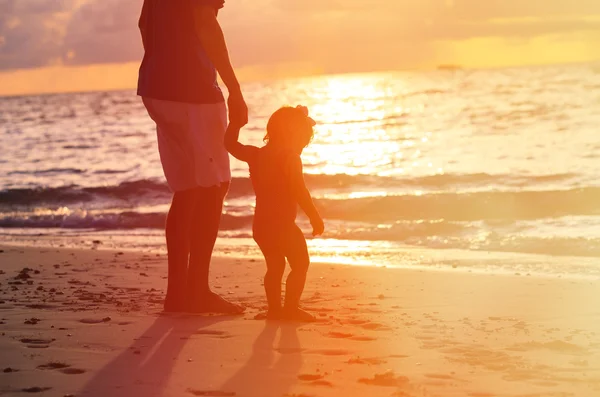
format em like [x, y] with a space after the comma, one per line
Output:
[357, 35]
[333, 33]
[103, 31]
[452, 9]
[31, 32]
[478, 10]
[36, 33]
[32, 7]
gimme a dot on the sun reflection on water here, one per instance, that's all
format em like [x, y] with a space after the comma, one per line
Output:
[363, 128]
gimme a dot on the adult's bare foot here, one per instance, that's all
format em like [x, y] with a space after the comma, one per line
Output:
[297, 315]
[174, 304]
[213, 303]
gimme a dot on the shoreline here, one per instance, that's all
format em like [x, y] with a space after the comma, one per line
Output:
[381, 332]
[401, 256]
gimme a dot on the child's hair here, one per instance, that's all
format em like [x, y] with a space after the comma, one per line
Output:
[288, 123]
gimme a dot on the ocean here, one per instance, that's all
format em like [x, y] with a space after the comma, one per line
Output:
[476, 170]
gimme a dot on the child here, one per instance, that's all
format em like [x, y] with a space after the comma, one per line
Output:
[276, 174]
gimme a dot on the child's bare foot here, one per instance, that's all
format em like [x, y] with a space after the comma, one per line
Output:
[297, 314]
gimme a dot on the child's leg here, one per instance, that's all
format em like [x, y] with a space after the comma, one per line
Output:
[275, 269]
[296, 251]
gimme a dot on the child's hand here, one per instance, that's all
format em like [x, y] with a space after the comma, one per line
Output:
[318, 226]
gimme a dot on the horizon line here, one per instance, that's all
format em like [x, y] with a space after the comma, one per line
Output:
[445, 68]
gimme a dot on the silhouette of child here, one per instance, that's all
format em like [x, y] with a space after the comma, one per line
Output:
[276, 174]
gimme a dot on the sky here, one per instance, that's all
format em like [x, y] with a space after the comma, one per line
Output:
[74, 45]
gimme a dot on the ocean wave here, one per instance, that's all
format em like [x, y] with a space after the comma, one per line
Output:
[49, 171]
[65, 195]
[555, 246]
[492, 206]
[471, 236]
[402, 231]
[152, 190]
[107, 221]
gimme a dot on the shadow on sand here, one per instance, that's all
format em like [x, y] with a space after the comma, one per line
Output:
[144, 368]
[270, 371]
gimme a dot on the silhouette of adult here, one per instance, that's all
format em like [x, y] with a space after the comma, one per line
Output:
[184, 49]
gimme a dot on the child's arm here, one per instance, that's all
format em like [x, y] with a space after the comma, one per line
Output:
[233, 146]
[303, 196]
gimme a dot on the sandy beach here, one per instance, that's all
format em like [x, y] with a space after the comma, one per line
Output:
[89, 323]
[439, 159]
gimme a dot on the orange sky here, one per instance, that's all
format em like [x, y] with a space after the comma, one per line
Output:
[74, 45]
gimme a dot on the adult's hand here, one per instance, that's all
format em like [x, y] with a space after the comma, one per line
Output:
[212, 39]
[238, 110]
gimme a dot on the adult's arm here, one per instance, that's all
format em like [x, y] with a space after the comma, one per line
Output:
[143, 23]
[213, 41]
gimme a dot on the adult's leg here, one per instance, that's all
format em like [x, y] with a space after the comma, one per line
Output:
[205, 227]
[208, 123]
[178, 230]
[177, 159]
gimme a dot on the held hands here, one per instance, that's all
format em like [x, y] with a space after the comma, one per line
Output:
[238, 110]
[318, 226]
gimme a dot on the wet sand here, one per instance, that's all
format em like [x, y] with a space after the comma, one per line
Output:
[89, 323]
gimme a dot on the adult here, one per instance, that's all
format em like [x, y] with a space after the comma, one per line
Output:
[184, 49]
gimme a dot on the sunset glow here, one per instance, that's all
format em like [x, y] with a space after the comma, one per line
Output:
[381, 198]
[93, 45]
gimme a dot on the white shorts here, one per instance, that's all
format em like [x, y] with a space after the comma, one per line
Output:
[190, 142]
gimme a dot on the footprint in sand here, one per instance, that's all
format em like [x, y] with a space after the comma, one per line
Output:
[53, 365]
[95, 320]
[310, 377]
[367, 360]
[72, 371]
[357, 322]
[388, 379]
[36, 389]
[41, 306]
[211, 393]
[37, 343]
[321, 382]
[375, 327]
[315, 380]
[339, 335]
[62, 367]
